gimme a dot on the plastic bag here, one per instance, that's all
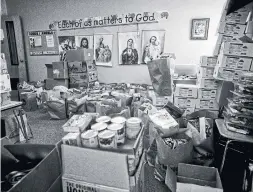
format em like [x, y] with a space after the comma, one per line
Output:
[57, 109]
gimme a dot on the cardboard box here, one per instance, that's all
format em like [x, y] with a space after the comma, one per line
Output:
[232, 29]
[29, 101]
[93, 76]
[223, 74]
[207, 104]
[207, 93]
[183, 90]
[223, 92]
[56, 186]
[193, 178]
[245, 9]
[78, 78]
[185, 102]
[60, 65]
[208, 83]
[3, 65]
[5, 83]
[50, 73]
[161, 100]
[77, 67]
[171, 157]
[237, 49]
[217, 48]
[228, 38]
[51, 83]
[188, 111]
[91, 65]
[205, 72]
[60, 74]
[236, 17]
[249, 28]
[234, 62]
[79, 85]
[208, 61]
[79, 55]
[41, 176]
[94, 167]
[5, 98]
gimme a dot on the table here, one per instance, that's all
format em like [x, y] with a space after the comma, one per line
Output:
[231, 137]
[12, 105]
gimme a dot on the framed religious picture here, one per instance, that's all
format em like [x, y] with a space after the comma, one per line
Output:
[129, 44]
[152, 45]
[84, 41]
[66, 43]
[103, 49]
[199, 29]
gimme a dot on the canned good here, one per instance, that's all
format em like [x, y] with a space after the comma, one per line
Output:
[89, 139]
[119, 120]
[103, 119]
[107, 139]
[99, 127]
[119, 130]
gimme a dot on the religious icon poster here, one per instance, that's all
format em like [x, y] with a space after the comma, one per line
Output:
[84, 41]
[152, 45]
[66, 43]
[129, 44]
[103, 49]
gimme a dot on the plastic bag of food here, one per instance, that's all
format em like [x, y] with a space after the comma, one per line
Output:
[56, 109]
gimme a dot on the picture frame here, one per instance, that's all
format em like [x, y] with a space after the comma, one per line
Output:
[199, 29]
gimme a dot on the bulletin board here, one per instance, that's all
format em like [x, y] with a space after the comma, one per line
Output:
[43, 43]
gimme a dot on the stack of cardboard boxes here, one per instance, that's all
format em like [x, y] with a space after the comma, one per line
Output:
[59, 75]
[82, 67]
[207, 85]
[5, 83]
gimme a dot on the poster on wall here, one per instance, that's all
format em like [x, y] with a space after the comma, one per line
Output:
[152, 45]
[129, 48]
[43, 43]
[103, 49]
[66, 43]
[84, 41]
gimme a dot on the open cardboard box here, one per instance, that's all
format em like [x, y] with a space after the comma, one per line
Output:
[42, 176]
[193, 178]
[103, 170]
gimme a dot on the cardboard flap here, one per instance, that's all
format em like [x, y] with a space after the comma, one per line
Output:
[171, 180]
[218, 180]
[197, 172]
[185, 187]
[199, 181]
[110, 168]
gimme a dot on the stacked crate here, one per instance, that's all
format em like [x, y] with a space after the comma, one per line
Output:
[5, 83]
[82, 68]
[207, 85]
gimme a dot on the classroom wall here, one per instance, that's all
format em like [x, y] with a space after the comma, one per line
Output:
[3, 7]
[36, 15]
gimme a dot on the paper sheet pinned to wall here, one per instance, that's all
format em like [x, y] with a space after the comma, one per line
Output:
[50, 40]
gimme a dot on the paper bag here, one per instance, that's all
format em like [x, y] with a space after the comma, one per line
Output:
[57, 109]
[159, 72]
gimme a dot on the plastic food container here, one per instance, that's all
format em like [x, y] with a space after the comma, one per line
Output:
[103, 119]
[89, 139]
[99, 127]
[119, 130]
[133, 127]
[119, 120]
[107, 140]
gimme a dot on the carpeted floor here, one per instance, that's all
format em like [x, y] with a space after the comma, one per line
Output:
[46, 131]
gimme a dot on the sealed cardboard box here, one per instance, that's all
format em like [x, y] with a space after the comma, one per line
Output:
[29, 101]
[51, 83]
[84, 169]
[234, 62]
[229, 38]
[183, 90]
[205, 72]
[5, 83]
[232, 29]
[78, 78]
[77, 67]
[238, 49]
[5, 98]
[79, 55]
[208, 83]
[185, 102]
[208, 61]
[93, 76]
[60, 65]
[193, 178]
[207, 104]
[207, 93]
[60, 74]
[236, 17]
[223, 74]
